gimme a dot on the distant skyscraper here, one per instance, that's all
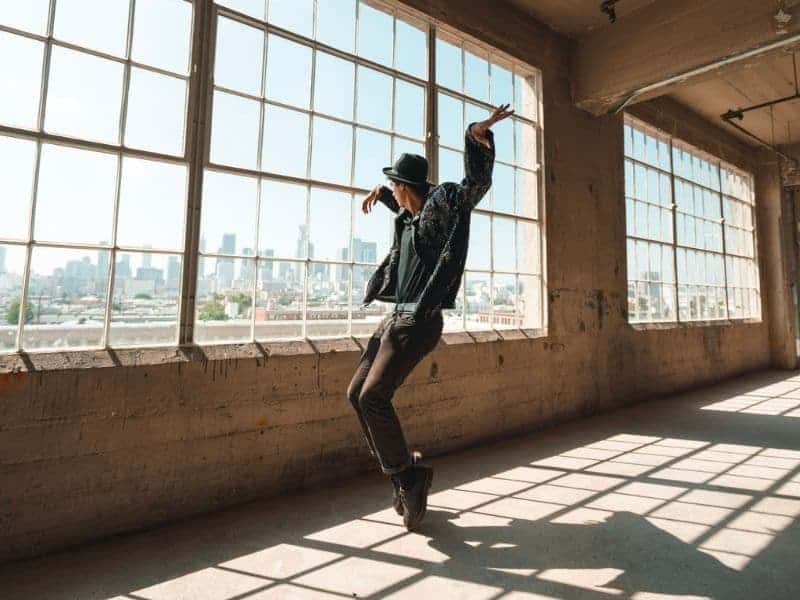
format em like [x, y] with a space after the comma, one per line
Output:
[302, 240]
[201, 263]
[366, 252]
[173, 272]
[225, 265]
[2, 260]
[248, 268]
[102, 262]
[123, 268]
[147, 261]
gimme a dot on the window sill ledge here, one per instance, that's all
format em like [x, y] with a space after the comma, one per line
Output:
[693, 324]
[78, 359]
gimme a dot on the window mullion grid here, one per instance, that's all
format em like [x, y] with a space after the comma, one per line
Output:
[200, 100]
[724, 245]
[307, 236]
[432, 108]
[674, 211]
[259, 187]
[35, 188]
[123, 114]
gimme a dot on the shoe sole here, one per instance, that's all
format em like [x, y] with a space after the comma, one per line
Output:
[428, 481]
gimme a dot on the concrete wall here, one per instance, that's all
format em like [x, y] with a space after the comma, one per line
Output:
[97, 443]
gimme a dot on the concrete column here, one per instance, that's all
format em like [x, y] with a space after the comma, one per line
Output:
[773, 247]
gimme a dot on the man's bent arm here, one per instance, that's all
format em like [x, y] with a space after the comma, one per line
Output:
[478, 167]
[387, 199]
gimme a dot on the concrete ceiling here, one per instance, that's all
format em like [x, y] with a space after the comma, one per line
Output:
[575, 17]
[769, 78]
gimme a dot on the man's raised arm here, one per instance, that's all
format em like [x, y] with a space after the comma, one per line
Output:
[479, 157]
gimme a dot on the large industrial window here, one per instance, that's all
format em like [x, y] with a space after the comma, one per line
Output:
[122, 120]
[691, 232]
[93, 171]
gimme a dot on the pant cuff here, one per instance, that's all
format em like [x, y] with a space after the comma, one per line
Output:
[395, 470]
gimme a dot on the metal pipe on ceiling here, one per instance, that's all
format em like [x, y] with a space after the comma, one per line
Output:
[712, 66]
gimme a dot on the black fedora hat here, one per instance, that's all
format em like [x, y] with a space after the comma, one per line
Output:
[409, 168]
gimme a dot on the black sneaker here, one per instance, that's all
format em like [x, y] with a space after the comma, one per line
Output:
[415, 499]
[416, 456]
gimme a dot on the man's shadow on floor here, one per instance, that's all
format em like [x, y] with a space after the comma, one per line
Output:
[650, 559]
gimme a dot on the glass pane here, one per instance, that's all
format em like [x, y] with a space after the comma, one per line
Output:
[75, 182]
[375, 34]
[228, 215]
[328, 300]
[282, 224]
[409, 109]
[254, 8]
[504, 301]
[451, 166]
[84, 96]
[478, 301]
[529, 302]
[503, 247]
[451, 121]
[294, 15]
[365, 320]
[474, 113]
[503, 188]
[334, 82]
[372, 233]
[529, 250]
[17, 162]
[525, 101]
[144, 310]
[331, 154]
[162, 34]
[234, 131]
[152, 204]
[527, 193]
[372, 155]
[30, 15]
[156, 109]
[476, 76]
[12, 265]
[67, 293]
[279, 300]
[448, 65]
[288, 72]
[96, 24]
[411, 55]
[502, 85]
[374, 98]
[405, 146]
[478, 256]
[239, 56]
[525, 141]
[503, 140]
[329, 225]
[285, 147]
[336, 23]
[224, 299]
[21, 74]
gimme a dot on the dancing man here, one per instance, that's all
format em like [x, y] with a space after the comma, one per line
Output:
[420, 276]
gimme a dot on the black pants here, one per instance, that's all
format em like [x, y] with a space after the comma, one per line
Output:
[397, 345]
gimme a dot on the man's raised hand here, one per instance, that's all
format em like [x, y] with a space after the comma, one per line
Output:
[479, 130]
[371, 200]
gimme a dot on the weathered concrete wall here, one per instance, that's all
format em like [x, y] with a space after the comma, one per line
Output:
[143, 437]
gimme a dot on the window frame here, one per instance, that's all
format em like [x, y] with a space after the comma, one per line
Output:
[674, 143]
[119, 150]
[198, 106]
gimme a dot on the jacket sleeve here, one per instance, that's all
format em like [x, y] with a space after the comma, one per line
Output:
[478, 167]
[387, 199]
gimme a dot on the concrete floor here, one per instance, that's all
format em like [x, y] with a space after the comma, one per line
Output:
[692, 496]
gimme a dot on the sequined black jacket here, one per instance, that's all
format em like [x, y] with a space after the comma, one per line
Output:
[441, 237]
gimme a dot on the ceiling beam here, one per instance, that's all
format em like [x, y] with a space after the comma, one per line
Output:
[669, 42]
